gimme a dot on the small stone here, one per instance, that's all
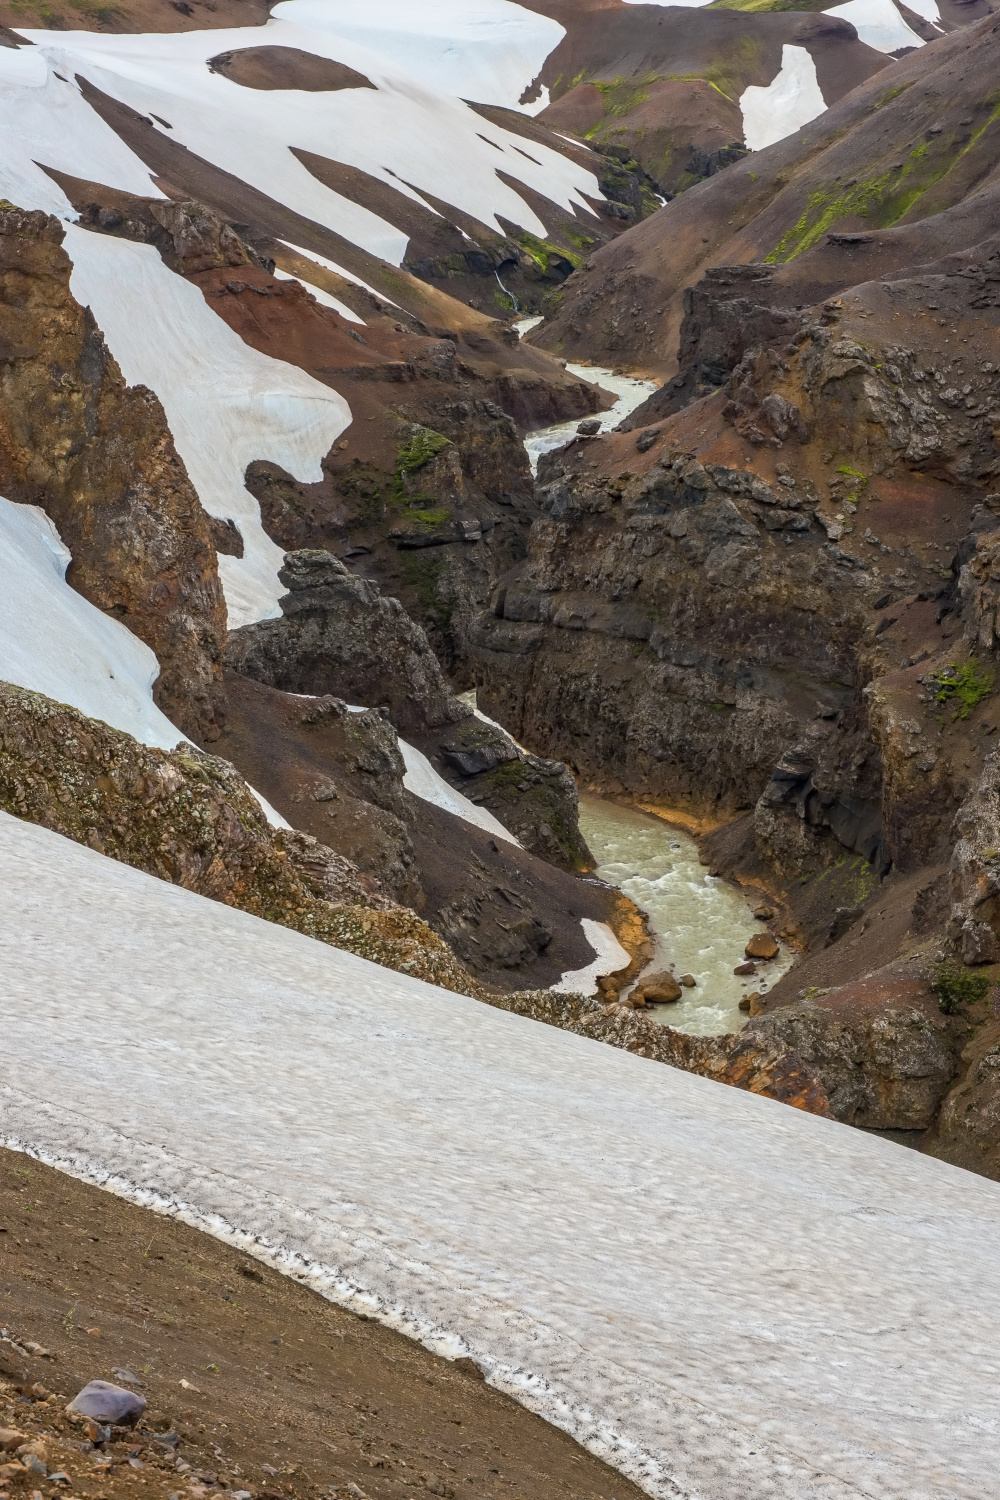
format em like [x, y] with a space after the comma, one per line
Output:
[761, 945]
[10, 1439]
[32, 1449]
[748, 968]
[10, 1471]
[104, 1402]
[746, 1000]
[34, 1465]
[763, 913]
[688, 981]
[469, 1367]
[127, 1376]
[657, 989]
[590, 428]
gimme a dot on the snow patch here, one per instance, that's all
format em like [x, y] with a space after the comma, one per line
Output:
[423, 781]
[53, 641]
[323, 298]
[226, 403]
[878, 24]
[611, 957]
[719, 1294]
[45, 119]
[791, 100]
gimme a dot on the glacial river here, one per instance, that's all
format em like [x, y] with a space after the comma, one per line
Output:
[701, 923]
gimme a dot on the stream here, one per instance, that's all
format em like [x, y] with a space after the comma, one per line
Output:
[630, 393]
[701, 924]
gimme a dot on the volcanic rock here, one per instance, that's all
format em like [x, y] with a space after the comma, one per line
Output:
[761, 945]
[108, 1403]
[657, 989]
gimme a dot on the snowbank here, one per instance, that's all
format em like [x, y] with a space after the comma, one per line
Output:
[423, 781]
[610, 956]
[724, 1296]
[791, 100]
[413, 127]
[53, 641]
[879, 24]
[226, 403]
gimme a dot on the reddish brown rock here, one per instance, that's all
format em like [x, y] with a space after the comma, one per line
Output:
[761, 945]
[657, 989]
[746, 968]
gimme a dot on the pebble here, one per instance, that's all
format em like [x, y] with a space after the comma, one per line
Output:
[688, 981]
[10, 1439]
[104, 1402]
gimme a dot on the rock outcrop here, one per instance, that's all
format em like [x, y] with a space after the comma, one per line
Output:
[97, 456]
[338, 635]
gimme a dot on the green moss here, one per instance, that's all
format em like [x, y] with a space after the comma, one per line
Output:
[962, 684]
[884, 199]
[424, 571]
[622, 95]
[424, 445]
[955, 985]
[542, 251]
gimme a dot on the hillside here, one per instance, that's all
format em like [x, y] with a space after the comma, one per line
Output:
[413, 417]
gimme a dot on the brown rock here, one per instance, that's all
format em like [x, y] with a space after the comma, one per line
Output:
[746, 1000]
[657, 989]
[748, 968]
[761, 945]
[757, 1004]
[763, 913]
[9, 1472]
[10, 1439]
[98, 457]
[688, 981]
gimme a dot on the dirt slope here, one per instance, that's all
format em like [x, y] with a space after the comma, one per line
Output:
[266, 1387]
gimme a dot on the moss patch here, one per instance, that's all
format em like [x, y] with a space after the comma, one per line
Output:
[962, 685]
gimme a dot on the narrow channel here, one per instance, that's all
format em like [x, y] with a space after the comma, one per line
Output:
[700, 923]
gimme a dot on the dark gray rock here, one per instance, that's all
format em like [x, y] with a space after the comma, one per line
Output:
[338, 635]
[107, 1403]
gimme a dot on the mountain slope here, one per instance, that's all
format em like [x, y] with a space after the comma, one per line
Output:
[471, 1209]
[920, 148]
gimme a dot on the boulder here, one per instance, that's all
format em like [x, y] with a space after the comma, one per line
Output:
[688, 981]
[107, 1403]
[657, 989]
[761, 945]
[746, 968]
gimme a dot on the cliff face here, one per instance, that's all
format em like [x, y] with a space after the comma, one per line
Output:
[97, 456]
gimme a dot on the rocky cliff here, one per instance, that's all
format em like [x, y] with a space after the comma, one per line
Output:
[98, 457]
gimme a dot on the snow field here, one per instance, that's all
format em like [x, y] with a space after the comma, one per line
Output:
[609, 956]
[405, 130]
[323, 298]
[226, 403]
[879, 23]
[723, 1296]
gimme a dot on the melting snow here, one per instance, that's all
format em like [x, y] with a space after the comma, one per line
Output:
[322, 297]
[720, 1294]
[402, 131]
[423, 781]
[610, 956]
[791, 100]
[53, 641]
[226, 403]
[878, 23]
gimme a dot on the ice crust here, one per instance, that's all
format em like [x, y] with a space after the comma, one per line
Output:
[725, 1297]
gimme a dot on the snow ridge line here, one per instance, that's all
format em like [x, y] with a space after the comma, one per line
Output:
[529, 1390]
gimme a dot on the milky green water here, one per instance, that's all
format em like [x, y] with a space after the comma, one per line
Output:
[701, 923]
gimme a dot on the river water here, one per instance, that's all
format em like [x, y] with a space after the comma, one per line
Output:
[701, 923]
[630, 393]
